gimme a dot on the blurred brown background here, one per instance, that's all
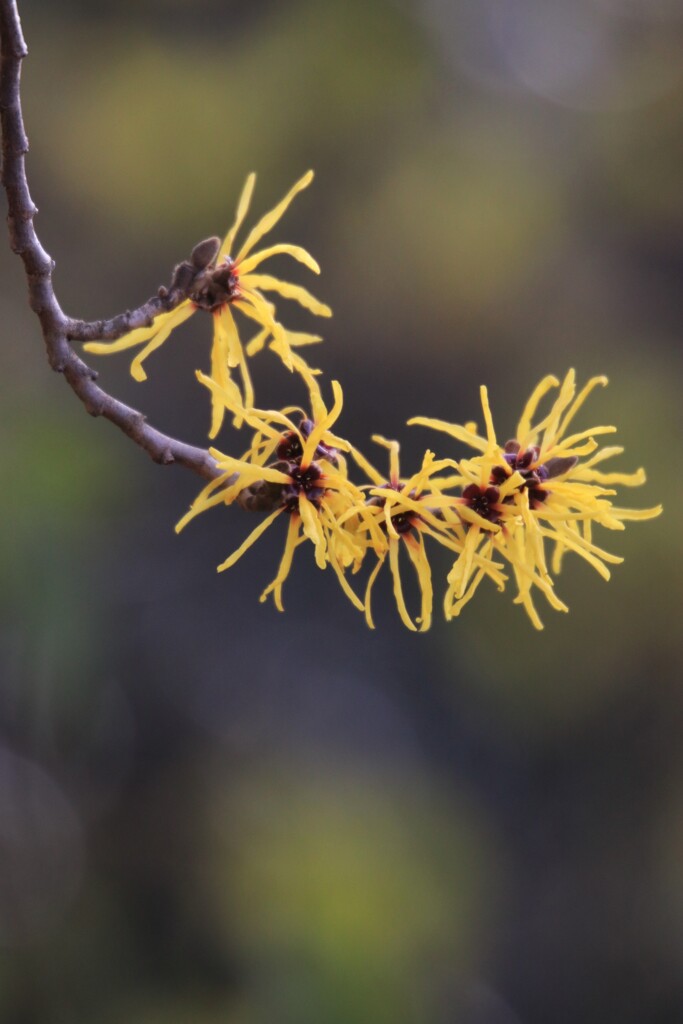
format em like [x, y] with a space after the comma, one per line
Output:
[210, 812]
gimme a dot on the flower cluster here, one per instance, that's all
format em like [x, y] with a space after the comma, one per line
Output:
[542, 485]
[509, 512]
[218, 282]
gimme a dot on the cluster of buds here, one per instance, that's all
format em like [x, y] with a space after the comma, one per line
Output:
[509, 511]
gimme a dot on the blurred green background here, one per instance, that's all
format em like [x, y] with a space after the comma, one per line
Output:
[210, 812]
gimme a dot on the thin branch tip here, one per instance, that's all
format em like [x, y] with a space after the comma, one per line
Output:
[59, 330]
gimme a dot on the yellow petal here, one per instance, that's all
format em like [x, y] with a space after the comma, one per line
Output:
[322, 424]
[181, 313]
[569, 443]
[257, 342]
[597, 476]
[388, 522]
[594, 555]
[593, 383]
[270, 219]
[524, 425]
[637, 514]
[248, 388]
[296, 251]
[453, 429]
[345, 585]
[249, 472]
[297, 339]
[220, 374]
[398, 590]
[366, 466]
[462, 567]
[488, 419]
[242, 208]
[253, 536]
[470, 516]
[551, 423]
[368, 589]
[310, 522]
[453, 608]
[267, 283]
[334, 561]
[234, 345]
[205, 499]
[253, 305]
[418, 556]
[604, 453]
[285, 564]
[137, 336]
[394, 450]
[224, 394]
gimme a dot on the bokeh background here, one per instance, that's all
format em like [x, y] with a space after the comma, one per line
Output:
[211, 812]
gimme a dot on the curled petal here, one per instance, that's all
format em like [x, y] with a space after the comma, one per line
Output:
[270, 219]
[282, 248]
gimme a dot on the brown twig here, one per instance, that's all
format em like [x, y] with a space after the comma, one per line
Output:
[109, 330]
[57, 328]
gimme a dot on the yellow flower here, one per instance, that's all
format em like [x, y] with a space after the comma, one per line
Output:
[227, 281]
[295, 470]
[400, 512]
[535, 488]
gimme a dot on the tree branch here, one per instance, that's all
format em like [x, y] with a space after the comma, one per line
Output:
[57, 328]
[109, 330]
